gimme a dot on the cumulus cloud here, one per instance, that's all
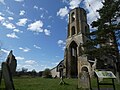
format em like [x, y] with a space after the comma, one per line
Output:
[19, 0]
[2, 1]
[92, 6]
[1, 13]
[35, 7]
[18, 31]
[24, 49]
[36, 26]
[12, 35]
[63, 12]
[47, 32]
[61, 44]
[30, 62]
[22, 12]
[20, 58]
[22, 22]
[2, 18]
[8, 11]
[8, 25]
[37, 47]
[10, 18]
[5, 51]
[74, 3]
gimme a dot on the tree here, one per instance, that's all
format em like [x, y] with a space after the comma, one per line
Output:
[104, 40]
[33, 73]
[47, 73]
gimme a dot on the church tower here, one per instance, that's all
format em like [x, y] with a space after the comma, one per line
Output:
[76, 36]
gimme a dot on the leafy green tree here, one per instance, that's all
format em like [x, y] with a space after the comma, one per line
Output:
[104, 40]
[47, 73]
[33, 73]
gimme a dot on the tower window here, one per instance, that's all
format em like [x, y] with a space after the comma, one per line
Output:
[73, 30]
[73, 16]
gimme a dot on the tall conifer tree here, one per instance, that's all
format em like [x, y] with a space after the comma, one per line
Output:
[106, 38]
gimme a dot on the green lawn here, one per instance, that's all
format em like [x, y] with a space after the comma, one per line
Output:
[28, 83]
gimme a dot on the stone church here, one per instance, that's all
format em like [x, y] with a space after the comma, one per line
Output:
[78, 29]
[75, 61]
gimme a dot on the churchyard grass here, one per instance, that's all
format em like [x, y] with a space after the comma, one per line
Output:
[37, 83]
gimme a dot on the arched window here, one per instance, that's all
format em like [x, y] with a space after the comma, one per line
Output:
[73, 30]
[73, 16]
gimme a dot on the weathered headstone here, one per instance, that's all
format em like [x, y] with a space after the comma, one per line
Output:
[12, 62]
[84, 80]
[7, 77]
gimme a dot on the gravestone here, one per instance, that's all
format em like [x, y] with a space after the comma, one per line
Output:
[84, 80]
[7, 77]
[12, 62]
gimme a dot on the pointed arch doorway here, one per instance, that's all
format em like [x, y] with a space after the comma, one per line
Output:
[73, 59]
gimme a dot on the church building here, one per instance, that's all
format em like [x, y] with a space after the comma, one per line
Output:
[75, 61]
[78, 30]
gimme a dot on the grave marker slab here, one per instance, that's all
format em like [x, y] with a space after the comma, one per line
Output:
[7, 77]
[84, 80]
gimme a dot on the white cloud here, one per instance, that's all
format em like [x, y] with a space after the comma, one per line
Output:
[65, 1]
[49, 26]
[12, 35]
[92, 6]
[2, 1]
[50, 17]
[30, 62]
[22, 12]
[61, 42]
[41, 8]
[5, 51]
[2, 18]
[47, 32]
[42, 16]
[1, 13]
[36, 26]
[63, 12]
[10, 18]
[20, 58]
[35, 7]
[8, 25]
[55, 63]
[24, 49]
[19, 0]
[37, 47]
[74, 3]
[18, 31]
[8, 11]
[22, 22]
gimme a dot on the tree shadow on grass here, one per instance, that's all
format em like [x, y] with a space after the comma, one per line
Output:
[2, 88]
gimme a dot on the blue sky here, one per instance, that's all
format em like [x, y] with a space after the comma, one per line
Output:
[36, 30]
